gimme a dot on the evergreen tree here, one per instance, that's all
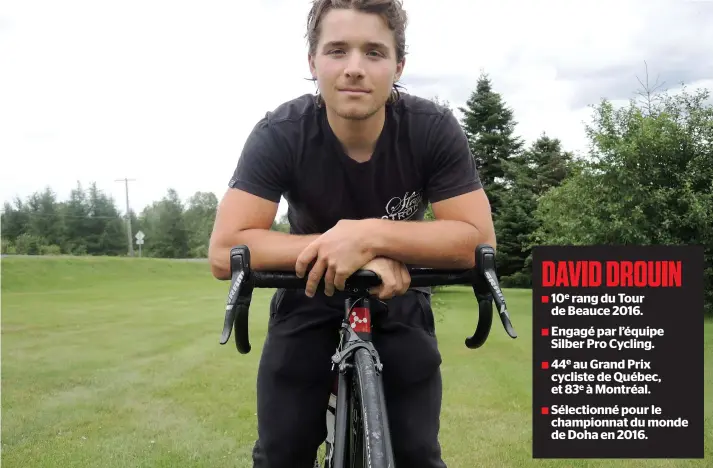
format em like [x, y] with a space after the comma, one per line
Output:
[15, 219]
[46, 220]
[76, 212]
[105, 229]
[547, 164]
[531, 174]
[489, 125]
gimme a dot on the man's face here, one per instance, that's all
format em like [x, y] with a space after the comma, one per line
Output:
[355, 63]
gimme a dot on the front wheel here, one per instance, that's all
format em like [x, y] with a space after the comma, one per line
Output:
[368, 423]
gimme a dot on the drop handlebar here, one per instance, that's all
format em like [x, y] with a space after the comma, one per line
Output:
[482, 278]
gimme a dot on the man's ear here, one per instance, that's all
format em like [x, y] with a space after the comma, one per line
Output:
[399, 69]
[312, 68]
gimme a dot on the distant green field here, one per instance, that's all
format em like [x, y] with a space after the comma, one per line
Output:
[110, 362]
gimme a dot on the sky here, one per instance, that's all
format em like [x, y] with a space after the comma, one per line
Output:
[166, 92]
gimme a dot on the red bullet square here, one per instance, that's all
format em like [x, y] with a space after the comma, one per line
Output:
[545, 410]
[545, 299]
[545, 365]
[545, 332]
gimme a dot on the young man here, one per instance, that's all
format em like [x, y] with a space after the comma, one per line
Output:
[358, 164]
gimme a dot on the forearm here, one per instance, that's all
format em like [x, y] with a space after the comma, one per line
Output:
[429, 244]
[269, 250]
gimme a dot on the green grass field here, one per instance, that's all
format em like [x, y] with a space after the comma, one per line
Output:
[110, 362]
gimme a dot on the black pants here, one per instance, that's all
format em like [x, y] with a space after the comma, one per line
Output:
[295, 378]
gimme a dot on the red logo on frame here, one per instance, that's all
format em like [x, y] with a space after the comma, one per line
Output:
[360, 320]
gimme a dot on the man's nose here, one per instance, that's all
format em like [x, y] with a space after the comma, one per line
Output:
[354, 68]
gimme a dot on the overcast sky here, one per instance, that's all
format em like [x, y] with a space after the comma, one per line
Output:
[166, 92]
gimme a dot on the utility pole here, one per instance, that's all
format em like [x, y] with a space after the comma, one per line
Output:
[128, 216]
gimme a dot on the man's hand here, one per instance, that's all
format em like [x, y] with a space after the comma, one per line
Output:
[395, 278]
[336, 254]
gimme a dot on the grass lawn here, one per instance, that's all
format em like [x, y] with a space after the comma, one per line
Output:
[112, 362]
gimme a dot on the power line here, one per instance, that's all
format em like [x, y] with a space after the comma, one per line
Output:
[128, 217]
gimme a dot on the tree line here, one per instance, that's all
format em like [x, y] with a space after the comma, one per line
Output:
[647, 178]
[89, 223]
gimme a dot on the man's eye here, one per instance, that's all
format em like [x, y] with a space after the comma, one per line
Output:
[336, 51]
[376, 53]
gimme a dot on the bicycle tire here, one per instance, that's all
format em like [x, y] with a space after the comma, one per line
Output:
[368, 427]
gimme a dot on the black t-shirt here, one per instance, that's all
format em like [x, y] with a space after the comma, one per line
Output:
[421, 155]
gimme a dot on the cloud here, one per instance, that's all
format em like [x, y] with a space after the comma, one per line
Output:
[671, 44]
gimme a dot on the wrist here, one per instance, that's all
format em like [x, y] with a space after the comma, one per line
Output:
[374, 237]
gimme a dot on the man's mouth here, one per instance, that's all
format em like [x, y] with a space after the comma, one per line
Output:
[354, 90]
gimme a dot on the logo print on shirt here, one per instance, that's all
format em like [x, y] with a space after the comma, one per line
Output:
[399, 208]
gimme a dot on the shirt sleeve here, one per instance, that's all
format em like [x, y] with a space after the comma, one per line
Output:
[263, 168]
[451, 167]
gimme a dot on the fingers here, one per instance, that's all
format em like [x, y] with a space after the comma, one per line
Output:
[305, 258]
[395, 281]
[383, 292]
[405, 279]
[315, 275]
[390, 282]
[395, 278]
[398, 279]
[329, 279]
[340, 278]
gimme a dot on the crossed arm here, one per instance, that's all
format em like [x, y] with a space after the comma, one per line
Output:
[461, 224]
[450, 241]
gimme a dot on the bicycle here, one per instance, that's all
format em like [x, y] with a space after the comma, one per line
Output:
[358, 427]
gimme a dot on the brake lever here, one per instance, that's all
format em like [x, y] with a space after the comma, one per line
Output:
[239, 289]
[486, 259]
[500, 302]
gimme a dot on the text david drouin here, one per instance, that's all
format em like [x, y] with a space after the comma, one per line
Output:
[612, 273]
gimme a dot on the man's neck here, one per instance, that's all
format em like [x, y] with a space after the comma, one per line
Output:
[358, 137]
